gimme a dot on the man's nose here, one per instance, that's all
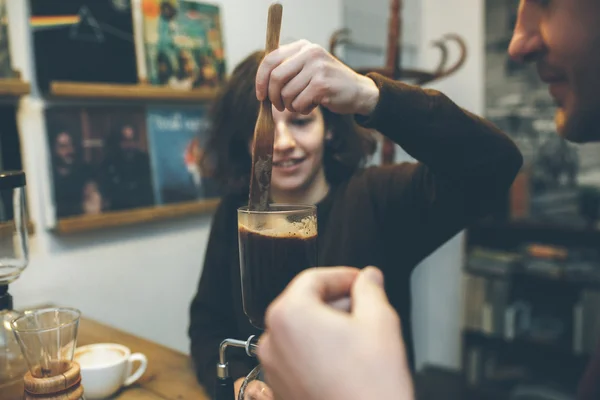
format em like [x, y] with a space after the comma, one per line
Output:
[527, 42]
[525, 47]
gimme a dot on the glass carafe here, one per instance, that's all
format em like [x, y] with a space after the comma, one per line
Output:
[13, 260]
[275, 246]
[13, 226]
[12, 363]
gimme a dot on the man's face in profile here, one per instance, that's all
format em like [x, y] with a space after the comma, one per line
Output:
[563, 38]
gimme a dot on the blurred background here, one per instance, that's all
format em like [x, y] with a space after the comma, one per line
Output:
[510, 303]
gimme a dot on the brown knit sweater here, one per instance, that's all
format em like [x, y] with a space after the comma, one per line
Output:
[391, 217]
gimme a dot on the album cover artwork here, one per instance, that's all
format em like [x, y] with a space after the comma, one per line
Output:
[10, 155]
[83, 41]
[183, 43]
[10, 145]
[6, 68]
[99, 159]
[177, 140]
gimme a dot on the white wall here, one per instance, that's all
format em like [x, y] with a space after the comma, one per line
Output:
[436, 283]
[368, 22]
[142, 278]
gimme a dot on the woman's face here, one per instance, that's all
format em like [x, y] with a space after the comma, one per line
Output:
[298, 151]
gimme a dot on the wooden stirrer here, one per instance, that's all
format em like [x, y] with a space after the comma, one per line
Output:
[264, 131]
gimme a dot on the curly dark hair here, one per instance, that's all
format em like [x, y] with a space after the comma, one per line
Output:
[232, 119]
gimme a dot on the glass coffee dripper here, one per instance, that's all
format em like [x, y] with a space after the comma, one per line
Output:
[274, 246]
[48, 338]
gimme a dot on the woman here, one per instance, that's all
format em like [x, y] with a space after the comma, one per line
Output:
[392, 217]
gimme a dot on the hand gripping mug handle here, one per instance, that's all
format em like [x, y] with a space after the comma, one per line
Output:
[140, 370]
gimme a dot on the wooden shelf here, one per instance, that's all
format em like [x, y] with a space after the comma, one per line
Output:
[8, 229]
[511, 234]
[129, 92]
[14, 88]
[523, 345]
[121, 218]
[540, 362]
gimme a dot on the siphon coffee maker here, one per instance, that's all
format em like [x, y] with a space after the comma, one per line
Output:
[13, 261]
[274, 245]
[36, 347]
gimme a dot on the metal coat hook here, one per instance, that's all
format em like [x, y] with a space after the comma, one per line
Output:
[393, 69]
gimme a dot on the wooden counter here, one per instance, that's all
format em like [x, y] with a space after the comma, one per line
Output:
[169, 375]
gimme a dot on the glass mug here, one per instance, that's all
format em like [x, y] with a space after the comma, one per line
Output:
[275, 246]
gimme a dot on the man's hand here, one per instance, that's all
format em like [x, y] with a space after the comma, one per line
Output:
[313, 350]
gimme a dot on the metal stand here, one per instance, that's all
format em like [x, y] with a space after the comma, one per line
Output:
[6, 302]
[224, 386]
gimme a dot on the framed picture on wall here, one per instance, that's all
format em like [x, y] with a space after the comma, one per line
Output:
[83, 41]
[99, 160]
[182, 44]
[559, 183]
[112, 165]
[177, 140]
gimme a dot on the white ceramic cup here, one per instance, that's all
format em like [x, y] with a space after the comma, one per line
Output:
[106, 367]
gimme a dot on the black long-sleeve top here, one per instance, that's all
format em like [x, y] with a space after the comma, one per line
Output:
[391, 217]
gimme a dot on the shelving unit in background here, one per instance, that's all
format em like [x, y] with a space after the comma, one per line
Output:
[531, 314]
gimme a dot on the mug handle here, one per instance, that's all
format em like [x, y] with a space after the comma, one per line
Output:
[140, 370]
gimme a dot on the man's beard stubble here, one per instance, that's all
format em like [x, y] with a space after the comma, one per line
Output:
[582, 124]
[581, 127]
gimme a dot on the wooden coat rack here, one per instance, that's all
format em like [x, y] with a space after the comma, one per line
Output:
[393, 68]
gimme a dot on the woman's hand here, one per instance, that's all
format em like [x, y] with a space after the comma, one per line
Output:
[256, 390]
[301, 76]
